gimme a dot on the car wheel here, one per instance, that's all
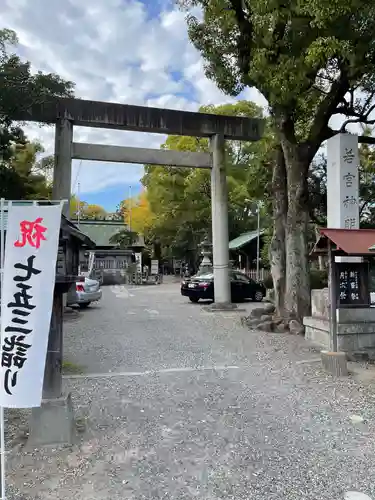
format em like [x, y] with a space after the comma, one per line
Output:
[258, 296]
[194, 299]
[84, 305]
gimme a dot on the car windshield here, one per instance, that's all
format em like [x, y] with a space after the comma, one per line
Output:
[205, 276]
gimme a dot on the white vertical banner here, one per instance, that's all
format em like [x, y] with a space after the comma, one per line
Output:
[31, 247]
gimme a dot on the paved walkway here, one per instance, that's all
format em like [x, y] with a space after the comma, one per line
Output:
[184, 404]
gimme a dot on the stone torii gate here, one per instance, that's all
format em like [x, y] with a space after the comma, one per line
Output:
[67, 112]
[56, 413]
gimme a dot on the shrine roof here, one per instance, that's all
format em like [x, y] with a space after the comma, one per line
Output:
[102, 231]
[244, 239]
[66, 224]
[356, 242]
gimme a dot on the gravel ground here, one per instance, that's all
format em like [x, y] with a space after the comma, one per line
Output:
[180, 403]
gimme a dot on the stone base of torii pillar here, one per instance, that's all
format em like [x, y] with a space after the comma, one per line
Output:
[53, 423]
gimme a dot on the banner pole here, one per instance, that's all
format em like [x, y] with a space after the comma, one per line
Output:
[2, 424]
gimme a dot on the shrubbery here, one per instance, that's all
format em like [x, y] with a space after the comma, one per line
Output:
[318, 279]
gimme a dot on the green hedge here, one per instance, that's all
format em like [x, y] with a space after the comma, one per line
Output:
[318, 279]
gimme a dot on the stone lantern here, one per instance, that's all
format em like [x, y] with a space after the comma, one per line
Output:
[206, 252]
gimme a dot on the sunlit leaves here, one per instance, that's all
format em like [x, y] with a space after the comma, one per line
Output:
[180, 198]
[291, 51]
[19, 89]
[83, 210]
[19, 177]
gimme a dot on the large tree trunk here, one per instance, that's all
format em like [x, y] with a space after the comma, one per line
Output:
[277, 246]
[297, 290]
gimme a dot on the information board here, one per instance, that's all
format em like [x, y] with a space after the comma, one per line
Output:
[352, 284]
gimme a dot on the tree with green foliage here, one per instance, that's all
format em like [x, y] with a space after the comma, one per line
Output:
[20, 177]
[180, 198]
[309, 60]
[86, 211]
[317, 191]
[19, 89]
[124, 238]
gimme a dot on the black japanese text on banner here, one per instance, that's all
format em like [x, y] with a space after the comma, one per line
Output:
[28, 282]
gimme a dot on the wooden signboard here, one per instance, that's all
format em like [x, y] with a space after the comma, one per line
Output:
[352, 284]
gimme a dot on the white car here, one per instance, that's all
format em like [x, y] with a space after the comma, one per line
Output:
[85, 292]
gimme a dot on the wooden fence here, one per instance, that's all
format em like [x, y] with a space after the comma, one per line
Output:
[252, 273]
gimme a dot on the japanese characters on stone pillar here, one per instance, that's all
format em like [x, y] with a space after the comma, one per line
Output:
[343, 182]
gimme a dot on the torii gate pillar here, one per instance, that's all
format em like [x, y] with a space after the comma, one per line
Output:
[62, 172]
[220, 238]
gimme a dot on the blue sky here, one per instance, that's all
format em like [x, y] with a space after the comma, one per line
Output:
[127, 51]
[110, 198]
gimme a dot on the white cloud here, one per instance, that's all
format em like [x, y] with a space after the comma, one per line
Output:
[208, 93]
[89, 175]
[114, 51]
[171, 101]
[252, 94]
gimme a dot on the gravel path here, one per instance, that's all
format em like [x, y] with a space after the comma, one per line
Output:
[181, 404]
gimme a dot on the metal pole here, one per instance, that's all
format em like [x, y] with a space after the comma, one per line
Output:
[78, 203]
[2, 423]
[130, 208]
[333, 298]
[219, 208]
[258, 241]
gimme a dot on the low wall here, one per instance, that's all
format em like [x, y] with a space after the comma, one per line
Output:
[320, 303]
[355, 326]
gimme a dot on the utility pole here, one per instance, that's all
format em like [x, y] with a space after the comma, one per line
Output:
[78, 204]
[130, 209]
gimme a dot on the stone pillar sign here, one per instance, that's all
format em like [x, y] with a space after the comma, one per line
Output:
[343, 182]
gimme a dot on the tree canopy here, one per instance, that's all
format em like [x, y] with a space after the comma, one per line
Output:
[304, 57]
[21, 175]
[311, 61]
[86, 211]
[137, 214]
[180, 198]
